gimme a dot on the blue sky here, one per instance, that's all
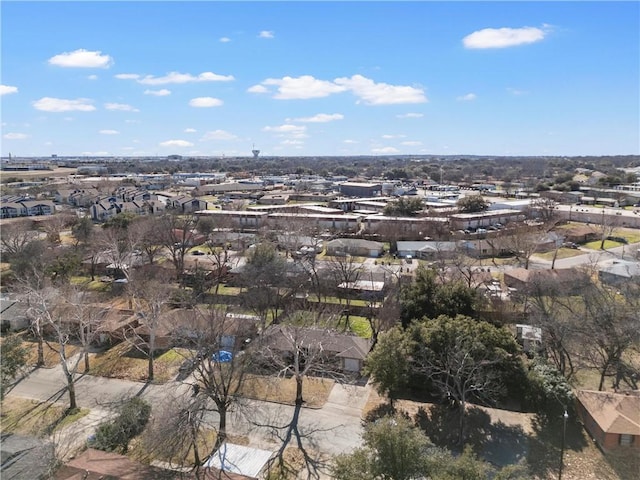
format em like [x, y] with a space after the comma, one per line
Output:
[320, 78]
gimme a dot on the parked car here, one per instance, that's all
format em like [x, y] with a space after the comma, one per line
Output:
[197, 252]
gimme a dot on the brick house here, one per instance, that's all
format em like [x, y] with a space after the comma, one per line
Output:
[612, 419]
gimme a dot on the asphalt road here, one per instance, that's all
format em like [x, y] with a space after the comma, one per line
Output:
[336, 427]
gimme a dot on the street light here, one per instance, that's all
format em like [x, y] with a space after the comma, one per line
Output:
[564, 434]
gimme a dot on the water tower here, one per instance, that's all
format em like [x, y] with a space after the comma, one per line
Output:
[255, 152]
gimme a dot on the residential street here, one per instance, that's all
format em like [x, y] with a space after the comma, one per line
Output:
[336, 426]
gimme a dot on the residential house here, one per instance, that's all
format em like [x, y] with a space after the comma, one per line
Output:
[187, 204]
[618, 272]
[232, 459]
[612, 419]
[561, 281]
[341, 351]
[355, 247]
[13, 312]
[428, 250]
[26, 208]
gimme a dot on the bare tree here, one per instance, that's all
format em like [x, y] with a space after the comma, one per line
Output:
[16, 236]
[148, 297]
[146, 234]
[299, 353]
[610, 328]
[345, 271]
[178, 232]
[220, 363]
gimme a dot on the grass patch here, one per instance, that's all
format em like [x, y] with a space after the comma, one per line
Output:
[562, 253]
[360, 326]
[595, 245]
[315, 391]
[125, 362]
[30, 417]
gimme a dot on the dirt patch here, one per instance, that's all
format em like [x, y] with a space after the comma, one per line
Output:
[315, 391]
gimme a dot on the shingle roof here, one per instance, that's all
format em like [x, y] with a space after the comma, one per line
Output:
[614, 412]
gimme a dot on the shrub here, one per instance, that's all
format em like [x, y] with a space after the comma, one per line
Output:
[114, 436]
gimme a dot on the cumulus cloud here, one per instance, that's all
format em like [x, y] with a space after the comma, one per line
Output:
[381, 93]
[15, 136]
[410, 115]
[50, 104]
[176, 143]
[266, 34]
[387, 136]
[258, 89]
[120, 106]
[81, 58]
[177, 77]
[321, 118]
[127, 76]
[163, 92]
[92, 77]
[109, 132]
[384, 150]
[7, 89]
[467, 98]
[190, 130]
[218, 135]
[370, 92]
[288, 130]
[503, 37]
[304, 87]
[205, 102]
[225, 39]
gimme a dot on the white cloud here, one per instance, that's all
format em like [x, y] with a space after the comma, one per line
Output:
[385, 150]
[176, 143]
[387, 136]
[82, 58]
[349, 141]
[411, 143]
[49, 104]
[127, 76]
[289, 130]
[190, 130]
[321, 118]
[163, 92]
[7, 89]
[467, 98]
[218, 135]
[292, 142]
[381, 93]
[302, 87]
[225, 39]
[92, 77]
[177, 77]
[517, 92]
[266, 34]
[131, 121]
[205, 102]
[258, 89]
[306, 86]
[15, 136]
[120, 106]
[109, 132]
[503, 37]
[410, 115]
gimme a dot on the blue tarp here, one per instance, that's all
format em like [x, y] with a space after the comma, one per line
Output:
[222, 356]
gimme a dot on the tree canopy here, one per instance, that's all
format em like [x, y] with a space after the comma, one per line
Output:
[472, 204]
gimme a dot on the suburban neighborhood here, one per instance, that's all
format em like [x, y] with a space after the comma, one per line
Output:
[171, 317]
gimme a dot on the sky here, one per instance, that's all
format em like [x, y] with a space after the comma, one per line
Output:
[298, 78]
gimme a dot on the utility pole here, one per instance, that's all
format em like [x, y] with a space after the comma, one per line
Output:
[565, 416]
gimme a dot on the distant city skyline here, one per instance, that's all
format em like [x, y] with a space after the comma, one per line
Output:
[329, 78]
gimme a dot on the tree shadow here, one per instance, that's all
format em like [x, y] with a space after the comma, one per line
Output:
[497, 443]
[546, 443]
